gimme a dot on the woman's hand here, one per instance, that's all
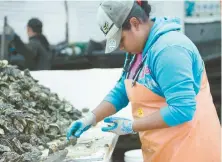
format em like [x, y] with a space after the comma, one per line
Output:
[81, 125]
[119, 126]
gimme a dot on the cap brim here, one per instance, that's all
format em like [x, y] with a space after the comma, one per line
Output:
[113, 42]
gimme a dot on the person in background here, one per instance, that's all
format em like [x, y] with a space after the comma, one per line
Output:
[37, 52]
[165, 80]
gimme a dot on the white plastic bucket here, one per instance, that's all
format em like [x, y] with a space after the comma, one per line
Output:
[133, 156]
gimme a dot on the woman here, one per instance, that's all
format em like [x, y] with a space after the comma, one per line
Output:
[164, 78]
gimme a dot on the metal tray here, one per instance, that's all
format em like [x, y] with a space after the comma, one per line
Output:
[93, 146]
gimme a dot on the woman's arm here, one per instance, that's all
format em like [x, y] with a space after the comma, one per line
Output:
[113, 102]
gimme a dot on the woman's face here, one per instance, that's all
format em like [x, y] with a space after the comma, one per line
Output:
[133, 40]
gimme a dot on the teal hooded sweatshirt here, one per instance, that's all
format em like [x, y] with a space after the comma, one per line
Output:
[175, 69]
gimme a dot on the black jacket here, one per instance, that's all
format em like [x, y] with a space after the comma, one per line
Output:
[37, 52]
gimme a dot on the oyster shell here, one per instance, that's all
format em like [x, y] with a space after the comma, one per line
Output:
[3, 63]
[33, 156]
[4, 84]
[6, 142]
[53, 131]
[85, 110]
[11, 157]
[18, 125]
[2, 132]
[4, 149]
[67, 107]
[17, 146]
[27, 147]
[56, 157]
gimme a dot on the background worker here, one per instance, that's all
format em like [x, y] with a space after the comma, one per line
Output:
[37, 52]
[165, 80]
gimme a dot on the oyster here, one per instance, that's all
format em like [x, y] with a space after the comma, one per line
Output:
[67, 107]
[3, 63]
[24, 138]
[30, 116]
[17, 146]
[56, 157]
[6, 142]
[4, 84]
[33, 156]
[61, 145]
[4, 149]
[2, 131]
[54, 129]
[34, 140]
[85, 110]
[27, 147]
[11, 157]
[18, 125]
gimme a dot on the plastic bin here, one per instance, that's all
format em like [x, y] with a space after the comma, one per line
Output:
[133, 156]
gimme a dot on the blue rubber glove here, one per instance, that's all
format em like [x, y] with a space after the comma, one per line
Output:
[120, 126]
[81, 125]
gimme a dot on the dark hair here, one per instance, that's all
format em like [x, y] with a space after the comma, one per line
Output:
[36, 25]
[146, 7]
[141, 12]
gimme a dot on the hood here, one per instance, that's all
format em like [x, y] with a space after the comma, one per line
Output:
[161, 26]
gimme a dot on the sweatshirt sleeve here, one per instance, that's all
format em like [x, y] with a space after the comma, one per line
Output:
[117, 96]
[29, 51]
[173, 72]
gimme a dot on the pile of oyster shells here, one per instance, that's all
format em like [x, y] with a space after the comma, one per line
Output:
[30, 115]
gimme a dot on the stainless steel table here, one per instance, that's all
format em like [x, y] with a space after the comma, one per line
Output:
[93, 146]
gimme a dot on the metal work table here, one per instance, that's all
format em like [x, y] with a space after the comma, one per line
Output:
[93, 146]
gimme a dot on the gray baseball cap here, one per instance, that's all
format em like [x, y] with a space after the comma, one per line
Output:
[110, 17]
